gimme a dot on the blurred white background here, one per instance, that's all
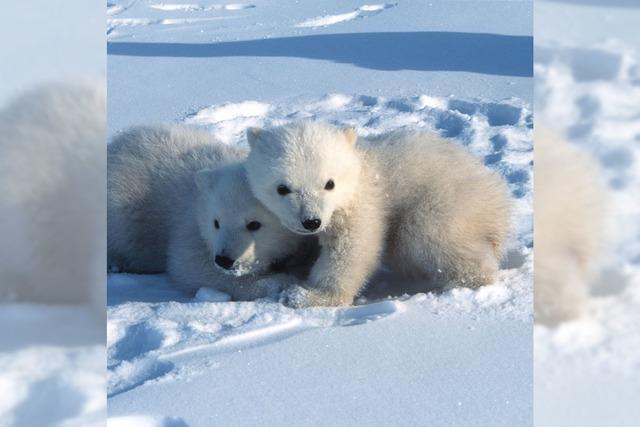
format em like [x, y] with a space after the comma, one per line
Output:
[43, 40]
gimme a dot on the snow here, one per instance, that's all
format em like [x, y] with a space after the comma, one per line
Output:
[225, 112]
[399, 356]
[479, 49]
[211, 295]
[262, 362]
[361, 12]
[587, 86]
[52, 359]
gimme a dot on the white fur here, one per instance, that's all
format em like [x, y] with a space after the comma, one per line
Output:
[162, 203]
[150, 178]
[52, 195]
[433, 210]
[569, 210]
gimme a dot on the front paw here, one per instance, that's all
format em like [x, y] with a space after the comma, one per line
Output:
[300, 297]
[295, 297]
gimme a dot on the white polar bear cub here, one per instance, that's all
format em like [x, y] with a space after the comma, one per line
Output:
[52, 195]
[203, 226]
[428, 206]
[569, 218]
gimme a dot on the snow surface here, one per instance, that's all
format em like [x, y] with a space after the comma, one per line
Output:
[361, 12]
[171, 60]
[463, 357]
[52, 366]
[588, 86]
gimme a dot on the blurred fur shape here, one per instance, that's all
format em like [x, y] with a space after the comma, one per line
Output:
[53, 195]
[569, 210]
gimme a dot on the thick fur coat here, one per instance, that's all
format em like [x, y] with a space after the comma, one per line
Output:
[52, 169]
[569, 208]
[178, 201]
[422, 205]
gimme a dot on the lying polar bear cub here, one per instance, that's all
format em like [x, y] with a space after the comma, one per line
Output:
[52, 194]
[427, 205]
[168, 212]
[570, 216]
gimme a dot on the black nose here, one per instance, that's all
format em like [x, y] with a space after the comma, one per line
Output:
[311, 224]
[224, 261]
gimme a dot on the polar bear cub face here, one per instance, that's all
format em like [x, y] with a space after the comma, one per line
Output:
[242, 236]
[303, 172]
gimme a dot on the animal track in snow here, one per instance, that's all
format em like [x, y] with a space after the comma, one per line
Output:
[499, 114]
[129, 375]
[361, 12]
[450, 124]
[138, 339]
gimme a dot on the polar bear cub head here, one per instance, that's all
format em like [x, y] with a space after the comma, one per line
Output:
[242, 236]
[303, 172]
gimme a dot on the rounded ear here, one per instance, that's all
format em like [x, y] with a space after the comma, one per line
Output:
[205, 179]
[253, 136]
[350, 134]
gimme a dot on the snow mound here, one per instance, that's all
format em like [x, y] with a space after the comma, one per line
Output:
[235, 118]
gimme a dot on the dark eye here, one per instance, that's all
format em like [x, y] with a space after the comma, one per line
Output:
[216, 224]
[283, 190]
[330, 185]
[253, 226]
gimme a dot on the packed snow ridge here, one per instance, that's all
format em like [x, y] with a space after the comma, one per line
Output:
[361, 12]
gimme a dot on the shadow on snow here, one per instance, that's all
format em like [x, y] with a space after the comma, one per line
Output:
[419, 51]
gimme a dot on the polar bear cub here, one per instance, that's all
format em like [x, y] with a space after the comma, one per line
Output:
[169, 211]
[150, 178]
[224, 238]
[52, 208]
[426, 205]
[569, 210]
